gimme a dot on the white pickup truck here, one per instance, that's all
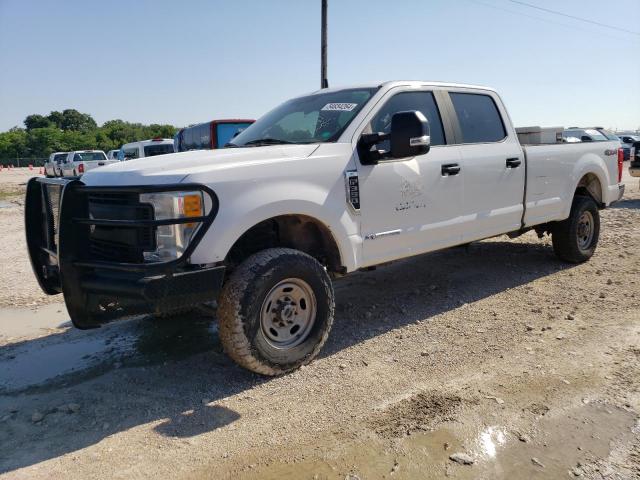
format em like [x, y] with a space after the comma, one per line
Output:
[80, 162]
[321, 186]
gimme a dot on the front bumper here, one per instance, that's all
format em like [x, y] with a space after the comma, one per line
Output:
[60, 240]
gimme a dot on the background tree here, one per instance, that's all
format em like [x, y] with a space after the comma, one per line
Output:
[56, 118]
[71, 130]
[74, 120]
[13, 144]
[42, 142]
[37, 121]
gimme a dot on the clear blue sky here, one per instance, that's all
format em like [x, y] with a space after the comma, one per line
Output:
[183, 62]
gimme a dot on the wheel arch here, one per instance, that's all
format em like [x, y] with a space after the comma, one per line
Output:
[589, 179]
[590, 185]
[297, 231]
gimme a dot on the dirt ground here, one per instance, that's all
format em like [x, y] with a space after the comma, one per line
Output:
[496, 354]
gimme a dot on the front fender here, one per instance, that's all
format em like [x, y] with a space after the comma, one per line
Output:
[239, 211]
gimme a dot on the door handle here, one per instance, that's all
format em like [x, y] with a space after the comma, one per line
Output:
[513, 162]
[450, 169]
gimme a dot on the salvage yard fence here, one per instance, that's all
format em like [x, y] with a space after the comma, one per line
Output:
[22, 162]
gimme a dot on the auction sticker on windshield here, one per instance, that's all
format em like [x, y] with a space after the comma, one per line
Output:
[340, 107]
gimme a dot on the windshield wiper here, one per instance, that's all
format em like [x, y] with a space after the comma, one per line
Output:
[268, 141]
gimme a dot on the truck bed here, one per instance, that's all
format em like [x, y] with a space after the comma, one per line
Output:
[554, 172]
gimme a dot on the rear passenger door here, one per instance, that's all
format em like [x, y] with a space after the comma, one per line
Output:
[492, 165]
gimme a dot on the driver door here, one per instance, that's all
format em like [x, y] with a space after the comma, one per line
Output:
[410, 205]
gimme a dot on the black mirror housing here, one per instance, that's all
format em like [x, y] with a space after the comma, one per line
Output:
[367, 155]
[409, 134]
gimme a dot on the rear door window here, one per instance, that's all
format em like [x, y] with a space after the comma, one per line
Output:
[131, 153]
[479, 118]
[161, 149]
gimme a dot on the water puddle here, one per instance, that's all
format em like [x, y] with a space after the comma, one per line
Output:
[20, 322]
[68, 355]
[559, 444]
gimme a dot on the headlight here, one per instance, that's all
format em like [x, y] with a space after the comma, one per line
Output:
[172, 240]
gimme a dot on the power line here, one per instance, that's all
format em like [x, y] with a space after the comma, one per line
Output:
[586, 20]
[547, 20]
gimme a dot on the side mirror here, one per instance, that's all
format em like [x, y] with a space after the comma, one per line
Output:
[409, 134]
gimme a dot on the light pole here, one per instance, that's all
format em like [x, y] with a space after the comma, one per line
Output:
[324, 81]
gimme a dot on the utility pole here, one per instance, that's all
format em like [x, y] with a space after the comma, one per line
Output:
[324, 81]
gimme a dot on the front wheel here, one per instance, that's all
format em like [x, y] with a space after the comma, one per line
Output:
[575, 239]
[275, 311]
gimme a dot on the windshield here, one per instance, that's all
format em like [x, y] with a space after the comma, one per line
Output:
[89, 156]
[588, 135]
[321, 117]
[608, 134]
[161, 149]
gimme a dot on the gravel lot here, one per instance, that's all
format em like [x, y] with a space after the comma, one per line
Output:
[18, 285]
[496, 354]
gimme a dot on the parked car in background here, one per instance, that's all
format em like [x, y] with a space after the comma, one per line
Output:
[146, 148]
[628, 142]
[52, 167]
[634, 165]
[325, 184]
[80, 162]
[113, 154]
[576, 134]
[607, 133]
[209, 135]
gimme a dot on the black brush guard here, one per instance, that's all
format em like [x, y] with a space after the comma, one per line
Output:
[97, 290]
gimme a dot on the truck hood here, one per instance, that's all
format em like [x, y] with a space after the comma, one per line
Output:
[174, 167]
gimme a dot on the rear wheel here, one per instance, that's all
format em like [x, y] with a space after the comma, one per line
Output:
[275, 311]
[575, 239]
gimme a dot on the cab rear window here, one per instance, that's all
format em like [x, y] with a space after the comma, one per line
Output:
[89, 156]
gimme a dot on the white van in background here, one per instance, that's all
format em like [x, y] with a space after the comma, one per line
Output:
[146, 148]
[113, 154]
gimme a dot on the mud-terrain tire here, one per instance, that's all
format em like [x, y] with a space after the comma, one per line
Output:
[275, 311]
[576, 238]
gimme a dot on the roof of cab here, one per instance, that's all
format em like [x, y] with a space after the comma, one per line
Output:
[402, 83]
[147, 142]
